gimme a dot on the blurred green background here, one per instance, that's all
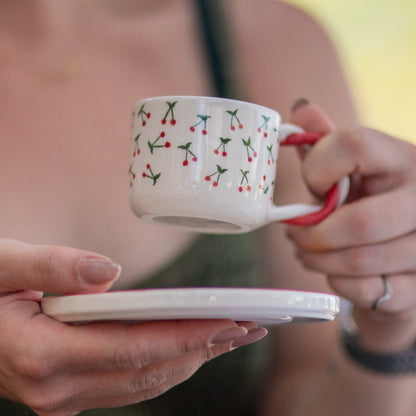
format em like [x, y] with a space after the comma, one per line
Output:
[376, 40]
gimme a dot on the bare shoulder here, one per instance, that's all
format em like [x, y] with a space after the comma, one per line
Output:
[284, 53]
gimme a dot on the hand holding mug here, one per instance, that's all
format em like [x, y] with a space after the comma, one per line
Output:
[374, 234]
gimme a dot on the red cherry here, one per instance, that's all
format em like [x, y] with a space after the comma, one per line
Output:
[268, 162]
[204, 132]
[265, 134]
[147, 166]
[164, 121]
[264, 177]
[163, 134]
[148, 115]
[216, 151]
[185, 163]
[192, 128]
[173, 122]
[144, 175]
[260, 186]
[134, 176]
[215, 184]
[143, 123]
[250, 159]
[167, 145]
[138, 151]
[240, 126]
[134, 153]
[259, 129]
[248, 188]
[224, 154]
[233, 128]
[207, 178]
[255, 154]
[240, 188]
[194, 159]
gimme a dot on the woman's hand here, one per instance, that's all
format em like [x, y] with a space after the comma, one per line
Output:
[60, 369]
[374, 233]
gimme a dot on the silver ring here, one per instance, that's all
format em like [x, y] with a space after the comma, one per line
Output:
[387, 294]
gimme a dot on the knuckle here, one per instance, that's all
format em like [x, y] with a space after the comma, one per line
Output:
[42, 401]
[362, 260]
[150, 378]
[126, 358]
[361, 226]
[45, 261]
[34, 368]
[352, 139]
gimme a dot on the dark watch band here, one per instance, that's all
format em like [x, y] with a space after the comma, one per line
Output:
[399, 363]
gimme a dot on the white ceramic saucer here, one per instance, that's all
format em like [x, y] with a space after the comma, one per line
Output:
[264, 306]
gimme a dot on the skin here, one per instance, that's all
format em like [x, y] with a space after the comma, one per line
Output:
[66, 92]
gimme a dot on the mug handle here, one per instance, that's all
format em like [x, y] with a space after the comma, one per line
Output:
[307, 214]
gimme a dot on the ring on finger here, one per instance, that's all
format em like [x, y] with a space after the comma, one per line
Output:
[387, 293]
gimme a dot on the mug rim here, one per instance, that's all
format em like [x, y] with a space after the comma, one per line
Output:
[204, 98]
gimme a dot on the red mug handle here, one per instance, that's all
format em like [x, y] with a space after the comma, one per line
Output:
[291, 135]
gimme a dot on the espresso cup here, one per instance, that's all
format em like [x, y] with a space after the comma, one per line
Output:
[208, 164]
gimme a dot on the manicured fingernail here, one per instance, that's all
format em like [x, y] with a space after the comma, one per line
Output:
[299, 103]
[95, 271]
[252, 336]
[228, 335]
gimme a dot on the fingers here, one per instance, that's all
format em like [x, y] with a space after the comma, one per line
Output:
[147, 360]
[53, 269]
[382, 217]
[368, 152]
[81, 348]
[365, 291]
[310, 117]
[382, 160]
[99, 389]
[389, 257]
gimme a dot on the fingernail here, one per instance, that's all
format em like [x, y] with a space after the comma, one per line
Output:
[299, 103]
[252, 336]
[228, 335]
[92, 270]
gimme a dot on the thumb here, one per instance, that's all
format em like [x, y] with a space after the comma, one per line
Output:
[54, 269]
[310, 117]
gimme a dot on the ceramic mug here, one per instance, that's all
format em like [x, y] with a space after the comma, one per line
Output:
[209, 165]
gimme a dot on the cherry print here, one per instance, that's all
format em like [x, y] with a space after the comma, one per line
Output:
[136, 149]
[132, 175]
[203, 119]
[153, 145]
[244, 179]
[188, 152]
[171, 106]
[234, 118]
[152, 176]
[222, 146]
[220, 171]
[264, 126]
[249, 148]
[270, 158]
[143, 115]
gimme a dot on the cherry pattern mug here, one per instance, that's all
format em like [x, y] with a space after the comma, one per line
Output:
[209, 164]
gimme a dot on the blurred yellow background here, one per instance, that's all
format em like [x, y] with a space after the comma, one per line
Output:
[377, 44]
